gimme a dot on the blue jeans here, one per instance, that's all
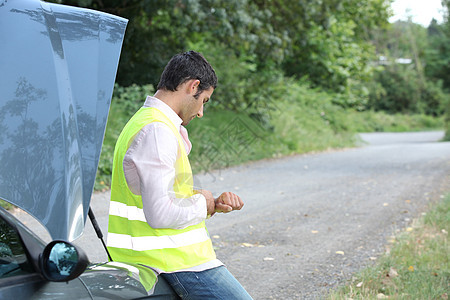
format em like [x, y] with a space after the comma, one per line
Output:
[216, 283]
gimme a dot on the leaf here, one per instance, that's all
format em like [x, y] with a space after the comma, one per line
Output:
[340, 252]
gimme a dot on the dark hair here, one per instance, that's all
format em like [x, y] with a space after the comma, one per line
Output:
[186, 66]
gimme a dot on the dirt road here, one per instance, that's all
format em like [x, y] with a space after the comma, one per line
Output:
[310, 221]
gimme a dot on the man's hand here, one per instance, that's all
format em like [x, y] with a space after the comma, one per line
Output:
[210, 203]
[227, 202]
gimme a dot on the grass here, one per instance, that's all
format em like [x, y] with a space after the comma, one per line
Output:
[417, 266]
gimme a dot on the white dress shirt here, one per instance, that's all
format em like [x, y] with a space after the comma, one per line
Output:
[149, 167]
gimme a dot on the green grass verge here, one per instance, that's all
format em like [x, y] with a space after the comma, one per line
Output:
[417, 266]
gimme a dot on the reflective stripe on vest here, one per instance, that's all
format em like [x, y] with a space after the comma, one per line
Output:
[130, 237]
[144, 243]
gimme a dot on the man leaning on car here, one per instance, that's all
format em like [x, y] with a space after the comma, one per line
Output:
[156, 218]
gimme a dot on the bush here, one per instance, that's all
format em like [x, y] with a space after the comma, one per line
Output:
[447, 121]
[241, 86]
[400, 89]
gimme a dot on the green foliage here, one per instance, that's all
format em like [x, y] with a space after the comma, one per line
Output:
[330, 45]
[327, 41]
[301, 119]
[132, 97]
[407, 88]
[370, 121]
[447, 121]
[437, 55]
[331, 57]
[400, 89]
[402, 39]
[241, 86]
[125, 102]
[234, 75]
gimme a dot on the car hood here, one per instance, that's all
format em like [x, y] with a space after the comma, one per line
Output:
[57, 70]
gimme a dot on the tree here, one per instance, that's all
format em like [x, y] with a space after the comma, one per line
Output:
[326, 41]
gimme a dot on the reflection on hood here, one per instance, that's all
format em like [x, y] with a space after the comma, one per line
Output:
[58, 66]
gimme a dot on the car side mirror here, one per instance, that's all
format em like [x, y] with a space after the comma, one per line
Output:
[62, 261]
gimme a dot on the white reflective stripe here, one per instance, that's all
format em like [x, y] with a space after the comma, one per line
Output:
[157, 242]
[129, 212]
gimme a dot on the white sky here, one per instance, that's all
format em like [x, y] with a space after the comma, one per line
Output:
[422, 11]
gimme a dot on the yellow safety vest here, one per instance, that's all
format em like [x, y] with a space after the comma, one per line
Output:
[130, 237]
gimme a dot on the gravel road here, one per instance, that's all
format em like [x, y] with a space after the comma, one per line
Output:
[310, 221]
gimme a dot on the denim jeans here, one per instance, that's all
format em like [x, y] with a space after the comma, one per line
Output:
[216, 283]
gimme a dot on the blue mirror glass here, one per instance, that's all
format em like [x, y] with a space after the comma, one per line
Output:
[62, 261]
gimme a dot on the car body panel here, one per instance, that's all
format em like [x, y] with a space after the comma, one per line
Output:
[109, 280]
[58, 65]
[33, 287]
[126, 281]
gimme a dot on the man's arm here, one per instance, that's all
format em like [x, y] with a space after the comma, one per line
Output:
[149, 170]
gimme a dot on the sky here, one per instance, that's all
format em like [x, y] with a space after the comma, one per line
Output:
[422, 11]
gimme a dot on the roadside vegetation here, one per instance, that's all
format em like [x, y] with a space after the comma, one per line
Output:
[302, 120]
[416, 267]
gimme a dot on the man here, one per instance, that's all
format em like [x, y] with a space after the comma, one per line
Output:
[156, 218]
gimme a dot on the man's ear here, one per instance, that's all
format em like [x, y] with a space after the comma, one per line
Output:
[192, 86]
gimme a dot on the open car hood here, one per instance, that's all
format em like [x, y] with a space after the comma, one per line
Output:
[57, 71]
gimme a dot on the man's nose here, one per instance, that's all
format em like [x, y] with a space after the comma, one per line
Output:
[200, 112]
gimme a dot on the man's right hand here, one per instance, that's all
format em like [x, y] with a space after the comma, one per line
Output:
[228, 200]
[212, 205]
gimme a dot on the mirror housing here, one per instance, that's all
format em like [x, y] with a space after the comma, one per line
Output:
[62, 261]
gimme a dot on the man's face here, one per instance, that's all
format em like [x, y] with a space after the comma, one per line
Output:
[193, 107]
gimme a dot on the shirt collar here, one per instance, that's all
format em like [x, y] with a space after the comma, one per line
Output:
[165, 109]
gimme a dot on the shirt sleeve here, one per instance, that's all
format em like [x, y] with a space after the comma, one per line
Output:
[149, 167]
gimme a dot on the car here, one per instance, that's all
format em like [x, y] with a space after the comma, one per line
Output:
[29, 269]
[57, 70]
